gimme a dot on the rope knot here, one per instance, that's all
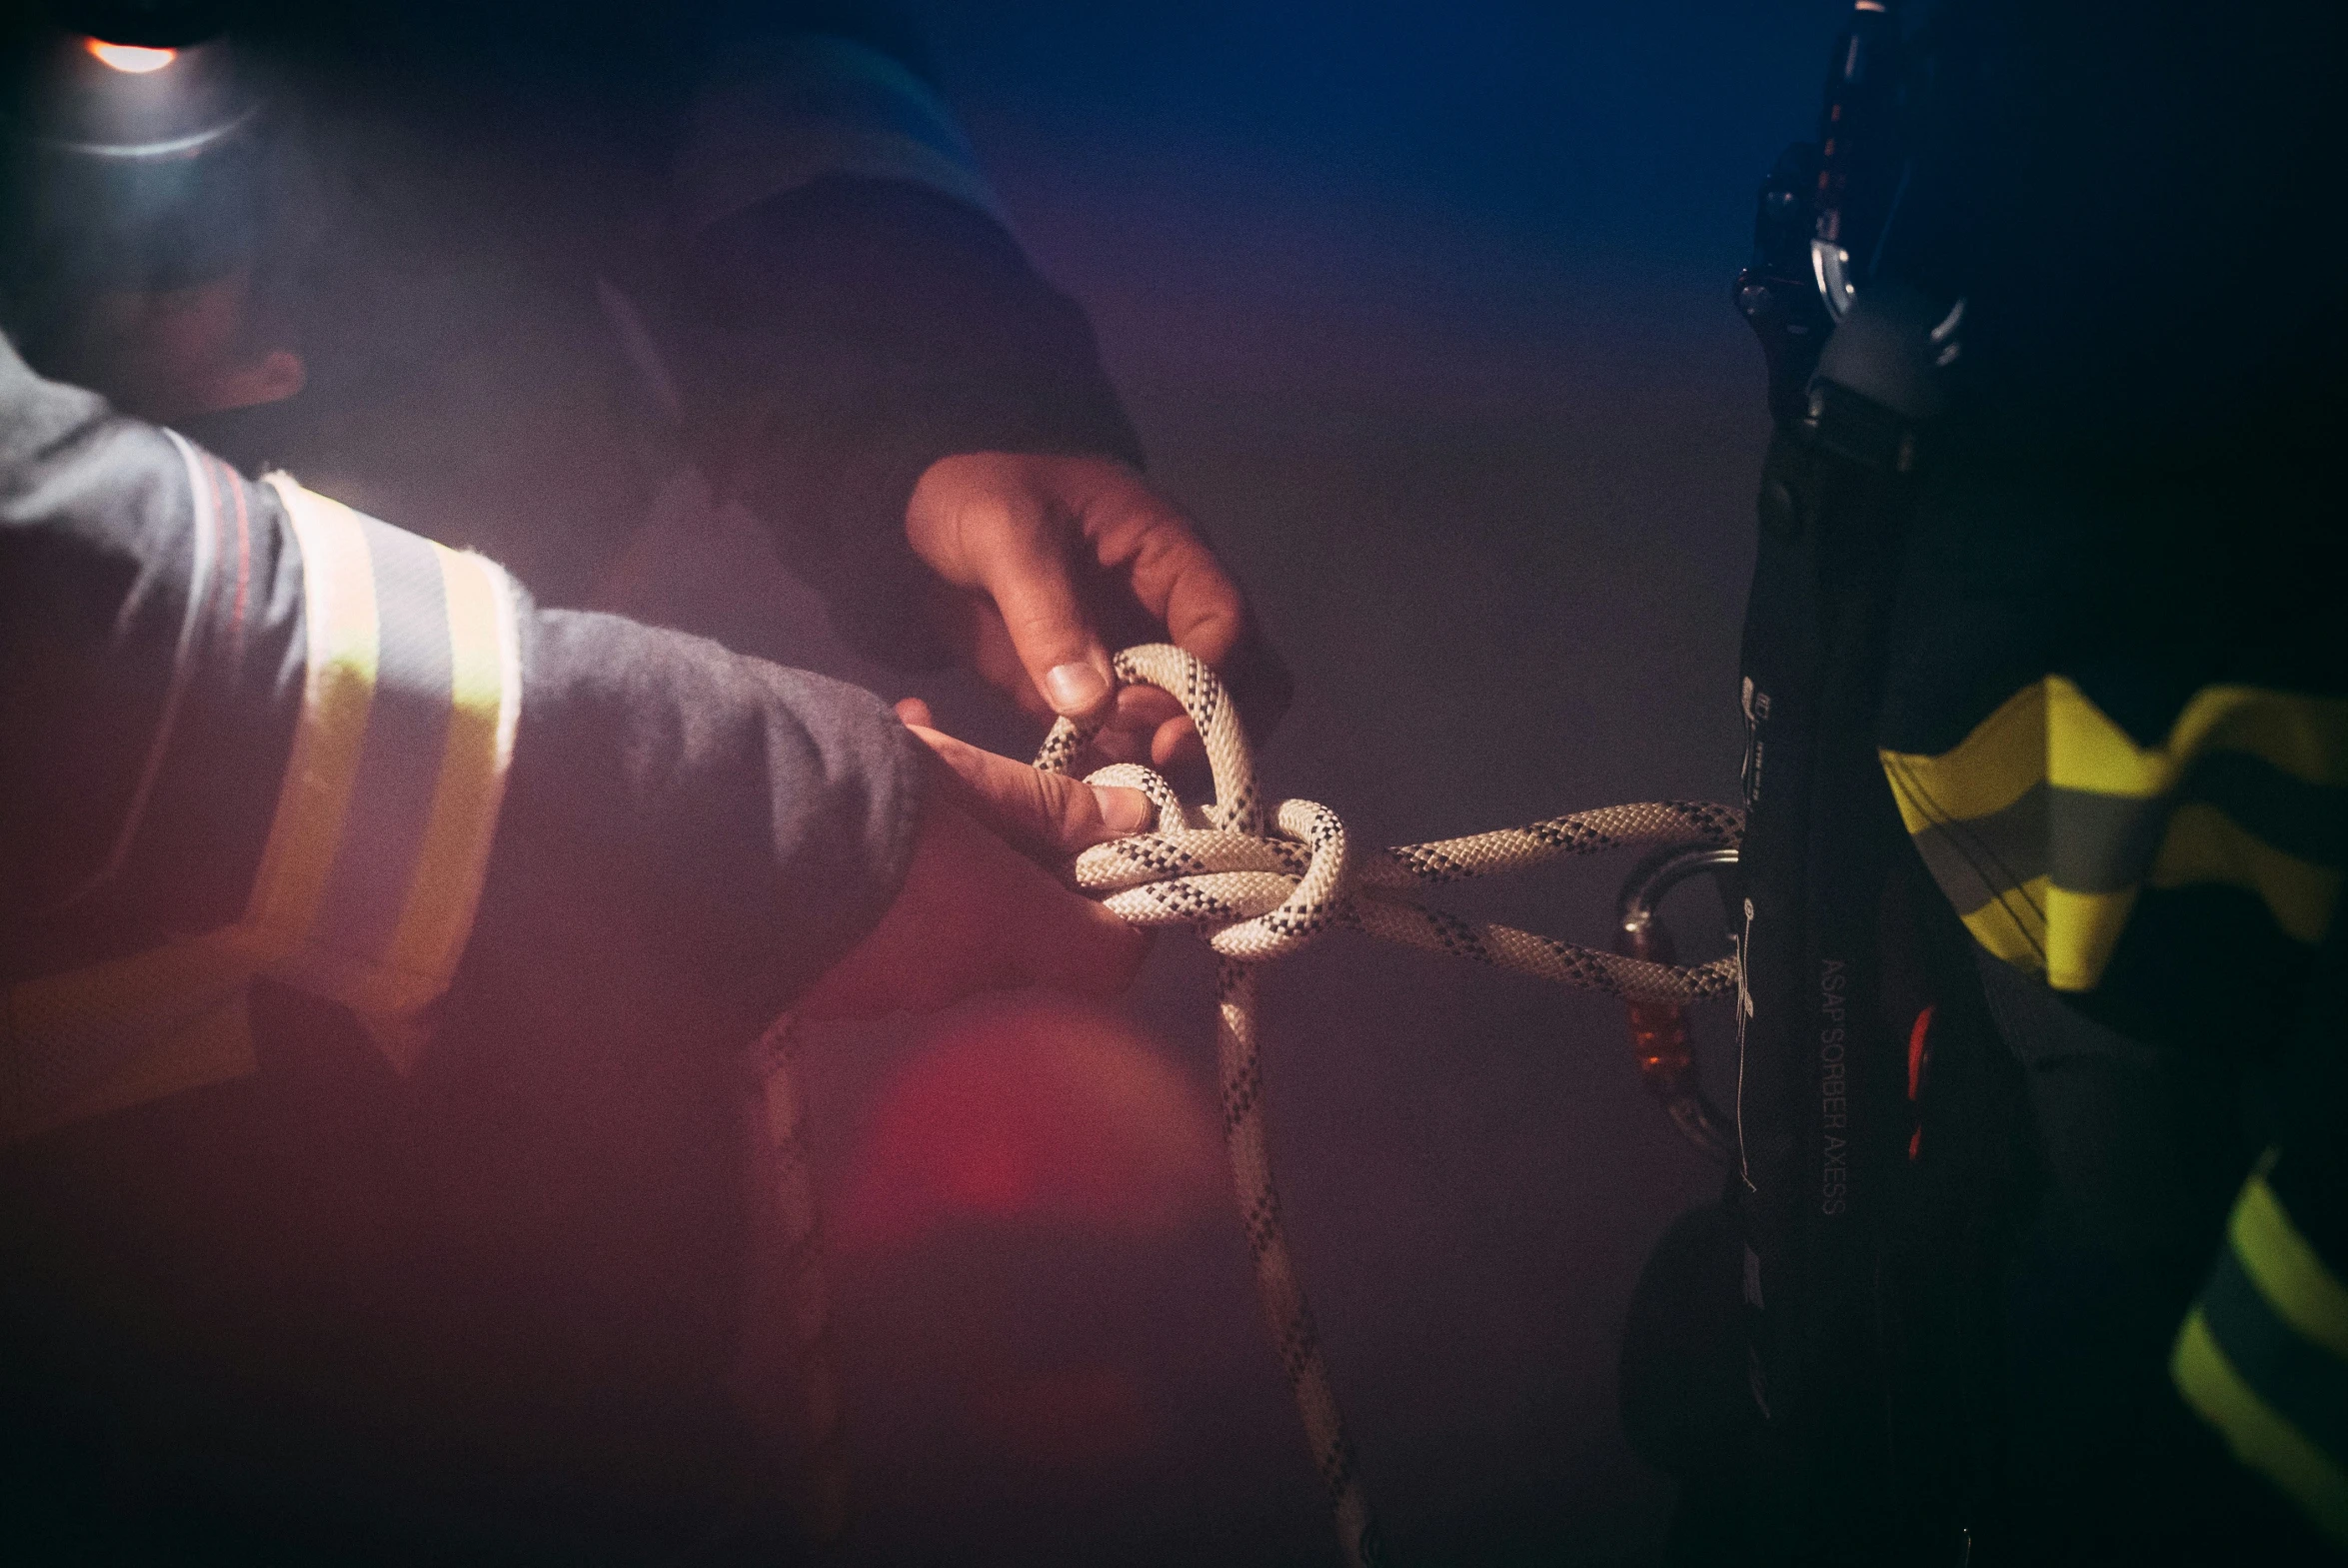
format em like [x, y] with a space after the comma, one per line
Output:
[1263, 889]
[1264, 883]
[1257, 896]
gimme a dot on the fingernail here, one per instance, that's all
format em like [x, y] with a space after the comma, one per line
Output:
[1074, 687]
[1124, 810]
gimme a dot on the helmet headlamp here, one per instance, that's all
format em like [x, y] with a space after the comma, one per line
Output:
[134, 159]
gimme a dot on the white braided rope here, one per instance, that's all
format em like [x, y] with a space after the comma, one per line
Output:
[802, 1296]
[1258, 895]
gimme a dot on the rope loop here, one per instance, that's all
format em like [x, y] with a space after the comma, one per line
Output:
[1262, 890]
[1263, 885]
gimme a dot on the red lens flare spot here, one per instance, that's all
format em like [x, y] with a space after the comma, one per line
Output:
[1035, 1108]
[130, 59]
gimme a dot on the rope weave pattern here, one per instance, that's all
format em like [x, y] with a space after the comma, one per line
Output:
[1264, 883]
[800, 1294]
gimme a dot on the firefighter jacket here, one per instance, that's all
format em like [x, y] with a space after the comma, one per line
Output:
[379, 950]
[385, 949]
[2044, 673]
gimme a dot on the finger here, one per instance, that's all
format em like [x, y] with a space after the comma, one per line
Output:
[1176, 745]
[975, 916]
[986, 647]
[1032, 932]
[1151, 726]
[1177, 580]
[1206, 616]
[1140, 711]
[1260, 685]
[1145, 707]
[1175, 577]
[1045, 814]
[1077, 946]
[1029, 574]
[1112, 746]
[915, 712]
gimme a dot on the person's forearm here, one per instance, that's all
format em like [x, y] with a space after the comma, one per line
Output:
[861, 331]
[755, 820]
[851, 308]
[180, 641]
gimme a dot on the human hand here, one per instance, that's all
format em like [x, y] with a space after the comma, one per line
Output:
[975, 912]
[1050, 562]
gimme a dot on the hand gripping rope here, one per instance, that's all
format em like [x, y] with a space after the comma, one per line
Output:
[1263, 892]
[1261, 884]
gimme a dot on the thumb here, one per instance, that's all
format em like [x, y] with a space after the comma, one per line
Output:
[1046, 815]
[1027, 575]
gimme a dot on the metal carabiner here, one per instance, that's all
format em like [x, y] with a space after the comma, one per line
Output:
[1659, 1029]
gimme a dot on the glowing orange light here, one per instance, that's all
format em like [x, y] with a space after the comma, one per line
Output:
[130, 58]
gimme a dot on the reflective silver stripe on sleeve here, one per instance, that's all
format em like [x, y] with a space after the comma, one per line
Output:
[400, 761]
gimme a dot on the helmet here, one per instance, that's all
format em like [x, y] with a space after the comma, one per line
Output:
[134, 152]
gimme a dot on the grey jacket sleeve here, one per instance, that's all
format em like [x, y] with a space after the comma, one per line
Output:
[751, 823]
[754, 820]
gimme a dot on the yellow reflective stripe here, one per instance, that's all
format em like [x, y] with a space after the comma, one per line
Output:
[2080, 932]
[213, 1047]
[370, 876]
[485, 708]
[2071, 936]
[100, 1038]
[2305, 736]
[2296, 1284]
[2042, 823]
[2012, 927]
[338, 688]
[107, 1035]
[478, 690]
[2086, 751]
[1988, 771]
[2260, 1437]
[2204, 844]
